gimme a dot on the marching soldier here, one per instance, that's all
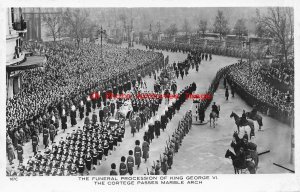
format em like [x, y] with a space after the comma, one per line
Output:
[94, 158]
[164, 165]
[101, 115]
[52, 131]
[73, 115]
[64, 120]
[137, 154]
[130, 162]
[164, 121]
[88, 106]
[113, 169]
[94, 118]
[46, 137]
[151, 130]
[123, 167]
[157, 126]
[157, 168]
[132, 123]
[81, 110]
[145, 149]
[138, 122]
[88, 162]
[35, 142]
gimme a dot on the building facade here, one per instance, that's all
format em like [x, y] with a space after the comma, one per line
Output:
[16, 59]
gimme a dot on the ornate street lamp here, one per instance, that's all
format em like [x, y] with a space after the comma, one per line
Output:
[101, 32]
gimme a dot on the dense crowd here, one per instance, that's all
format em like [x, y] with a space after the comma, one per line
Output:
[69, 75]
[270, 100]
[279, 75]
[213, 47]
[85, 148]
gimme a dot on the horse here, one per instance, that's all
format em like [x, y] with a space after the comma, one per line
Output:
[251, 147]
[238, 165]
[213, 115]
[255, 117]
[238, 124]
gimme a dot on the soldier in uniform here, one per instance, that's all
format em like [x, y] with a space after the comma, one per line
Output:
[215, 109]
[52, 131]
[164, 121]
[138, 122]
[113, 169]
[232, 90]
[243, 118]
[73, 115]
[137, 154]
[130, 162]
[157, 126]
[157, 168]
[132, 123]
[88, 106]
[123, 167]
[145, 149]
[112, 108]
[35, 142]
[101, 115]
[88, 162]
[95, 158]
[164, 164]
[64, 120]
[105, 148]
[94, 118]
[226, 93]
[151, 130]
[81, 110]
[46, 137]
[152, 172]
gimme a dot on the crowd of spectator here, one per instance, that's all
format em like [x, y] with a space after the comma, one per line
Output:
[250, 84]
[70, 74]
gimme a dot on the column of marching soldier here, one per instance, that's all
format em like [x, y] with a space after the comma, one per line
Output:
[83, 148]
[86, 147]
[165, 163]
[61, 163]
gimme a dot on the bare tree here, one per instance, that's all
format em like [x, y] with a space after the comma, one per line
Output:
[186, 27]
[54, 24]
[278, 23]
[123, 19]
[221, 24]
[240, 28]
[78, 23]
[171, 30]
[202, 26]
[259, 30]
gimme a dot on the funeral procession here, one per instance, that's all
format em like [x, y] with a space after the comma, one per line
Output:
[149, 91]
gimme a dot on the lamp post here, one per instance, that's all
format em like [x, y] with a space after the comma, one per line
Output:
[101, 32]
